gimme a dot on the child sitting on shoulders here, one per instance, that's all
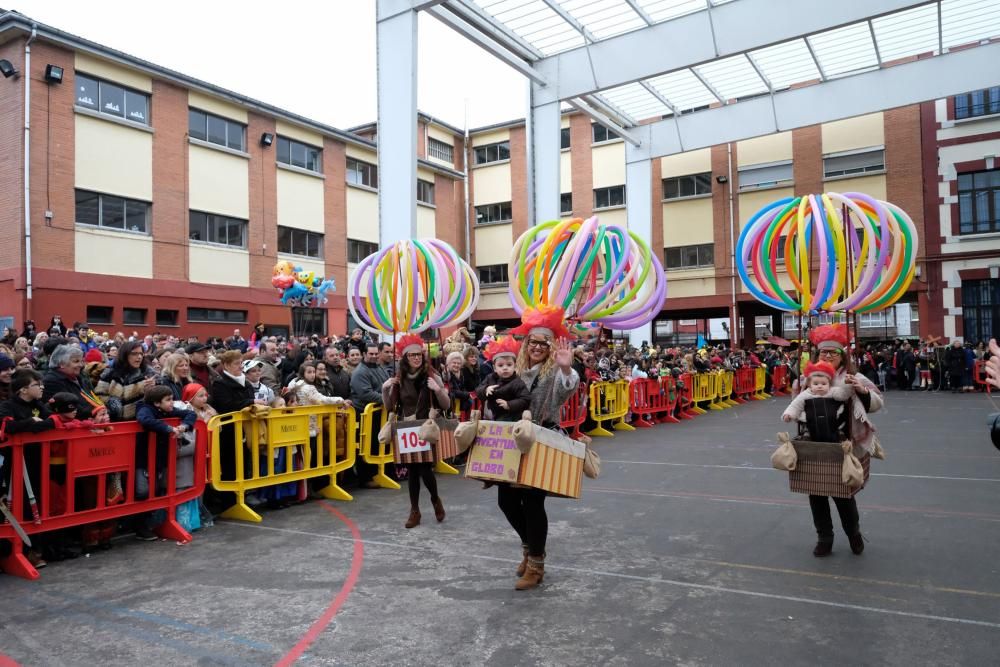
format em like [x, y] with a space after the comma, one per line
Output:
[821, 405]
[504, 395]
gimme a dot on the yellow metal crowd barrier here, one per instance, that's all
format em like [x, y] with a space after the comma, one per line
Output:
[761, 382]
[723, 390]
[258, 441]
[372, 420]
[609, 401]
[704, 391]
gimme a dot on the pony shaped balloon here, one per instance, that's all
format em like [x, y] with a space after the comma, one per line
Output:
[298, 287]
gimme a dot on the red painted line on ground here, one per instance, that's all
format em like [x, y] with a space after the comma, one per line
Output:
[8, 662]
[352, 578]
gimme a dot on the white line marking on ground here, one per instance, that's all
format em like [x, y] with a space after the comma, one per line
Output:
[731, 467]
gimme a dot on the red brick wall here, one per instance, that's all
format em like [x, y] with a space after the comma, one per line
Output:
[459, 153]
[262, 233]
[807, 156]
[169, 108]
[519, 181]
[449, 220]
[335, 229]
[581, 160]
[720, 216]
[421, 140]
[930, 304]
[656, 235]
[12, 162]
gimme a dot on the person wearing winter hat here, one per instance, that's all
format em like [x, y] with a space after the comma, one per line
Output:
[812, 404]
[7, 367]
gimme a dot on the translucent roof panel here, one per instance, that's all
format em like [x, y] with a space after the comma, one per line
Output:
[844, 50]
[535, 22]
[636, 100]
[661, 10]
[733, 77]
[683, 90]
[786, 63]
[604, 18]
[907, 33]
[969, 21]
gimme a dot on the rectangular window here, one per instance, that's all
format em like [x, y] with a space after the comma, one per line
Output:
[854, 164]
[425, 192]
[980, 309]
[978, 103]
[491, 213]
[493, 275]
[112, 212]
[566, 203]
[358, 250]
[609, 197]
[689, 185]
[211, 228]
[492, 152]
[979, 202]
[133, 316]
[440, 150]
[689, 257]
[564, 138]
[216, 130]
[298, 154]
[765, 175]
[362, 173]
[216, 315]
[300, 242]
[602, 133]
[100, 314]
[112, 99]
[166, 318]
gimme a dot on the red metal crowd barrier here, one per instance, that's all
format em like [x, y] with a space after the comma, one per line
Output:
[979, 376]
[779, 380]
[574, 411]
[646, 402]
[744, 384]
[686, 394]
[69, 472]
[668, 387]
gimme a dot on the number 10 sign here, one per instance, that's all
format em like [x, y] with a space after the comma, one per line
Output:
[407, 441]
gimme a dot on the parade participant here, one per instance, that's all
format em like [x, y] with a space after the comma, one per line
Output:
[505, 395]
[545, 366]
[411, 393]
[820, 405]
[831, 344]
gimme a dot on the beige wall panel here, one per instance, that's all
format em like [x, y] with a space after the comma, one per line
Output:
[873, 186]
[113, 159]
[426, 223]
[362, 153]
[218, 266]
[853, 133]
[491, 185]
[425, 174]
[691, 162]
[687, 222]
[968, 128]
[440, 134]
[608, 164]
[216, 106]
[132, 254]
[104, 69]
[564, 121]
[614, 216]
[300, 201]
[491, 137]
[565, 172]
[493, 244]
[362, 215]
[494, 300]
[299, 133]
[697, 282]
[317, 267]
[218, 182]
[751, 202]
[769, 148]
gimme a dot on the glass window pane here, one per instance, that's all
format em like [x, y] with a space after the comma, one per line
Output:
[965, 181]
[706, 255]
[196, 124]
[283, 150]
[996, 209]
[504, 151]
[480, 155]
[962, 106]
[618, 196]
[217, 130]
[671, 189]
[112, 212]
[87, 208]
[978, 99]
[564, 137]
[86, 92]
[315, 245]
[312, 159]
[197, 227]
[702, 184]
[137, 107]
[112, 99]
[298, 154]
[686, 186]
[284, 239]
[982, 212]
[981, 180]
[299, 242]
[135, 216]
[994, 95]
[689, 256]
[234, 135]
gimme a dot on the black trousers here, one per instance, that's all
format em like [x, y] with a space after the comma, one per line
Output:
[847, 508]
[421, 472]
[525, 510]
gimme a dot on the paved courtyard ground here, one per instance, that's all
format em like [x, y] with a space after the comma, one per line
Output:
[689, 550]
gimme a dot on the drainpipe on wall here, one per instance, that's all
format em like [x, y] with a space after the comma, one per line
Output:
[465, 198]
[27, 170]
[735, 326]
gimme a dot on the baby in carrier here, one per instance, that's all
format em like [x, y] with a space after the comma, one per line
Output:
[821, 405]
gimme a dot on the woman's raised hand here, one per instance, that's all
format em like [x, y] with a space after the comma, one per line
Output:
[564, 354]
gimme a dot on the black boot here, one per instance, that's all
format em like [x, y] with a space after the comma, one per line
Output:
[857, 541]
[823, 548]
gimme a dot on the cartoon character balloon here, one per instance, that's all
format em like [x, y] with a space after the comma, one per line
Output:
[299, 287]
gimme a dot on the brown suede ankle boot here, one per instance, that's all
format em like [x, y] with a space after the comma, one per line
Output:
[524, 561]
[533, 574]
[414, 518]
[438, 509]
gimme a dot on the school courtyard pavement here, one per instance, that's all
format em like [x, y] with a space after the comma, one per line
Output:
[689, 550]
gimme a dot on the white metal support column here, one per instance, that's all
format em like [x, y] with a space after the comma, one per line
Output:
[543, 148]
[397, 120]
[639, 212]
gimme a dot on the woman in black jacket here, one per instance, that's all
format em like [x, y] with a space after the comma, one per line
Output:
[230, 393]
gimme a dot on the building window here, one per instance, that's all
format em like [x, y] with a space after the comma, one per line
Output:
[492, 152]
[689, 185]
[609, 197]
[111, 212]
[216, 130]
[978, 103]
[440, 150]
[112, 99]
[217, 315]
[362, 173]
[564, 137]
[602, 133]
[979, 202]
[358, 250]
[566, 203]
[166, 318]
[299, 154]
[493, 275]
[100, 315]
[425, 192]
[309, 321]
[211, 228]
[493, 213]
[689, 256]
[134, 316]
[765, 175]
[980, 309]
[300, 242]
[854, 164]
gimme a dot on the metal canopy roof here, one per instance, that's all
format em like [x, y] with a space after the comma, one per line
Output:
[540, 31]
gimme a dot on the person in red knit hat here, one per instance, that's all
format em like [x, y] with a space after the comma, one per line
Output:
[820, 405]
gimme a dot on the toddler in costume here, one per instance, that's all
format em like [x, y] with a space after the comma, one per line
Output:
[821, 405]
[503, 393]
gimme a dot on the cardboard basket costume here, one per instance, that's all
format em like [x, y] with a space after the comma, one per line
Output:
[407, 448]
[819, 467]
[554, 463]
